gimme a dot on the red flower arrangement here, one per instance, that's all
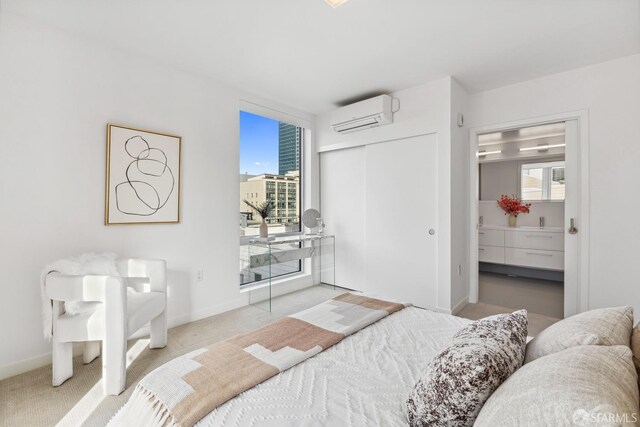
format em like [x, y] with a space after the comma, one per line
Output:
[513, 205]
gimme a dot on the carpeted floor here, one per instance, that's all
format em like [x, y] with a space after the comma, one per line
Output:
[30, 400]
[538, 296]
[537, 322]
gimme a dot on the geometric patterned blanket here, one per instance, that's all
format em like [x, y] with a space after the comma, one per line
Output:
[184, 390]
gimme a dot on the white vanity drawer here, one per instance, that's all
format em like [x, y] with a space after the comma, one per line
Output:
[552, 260]
[534, 239]
[490, 237]
[494, 254]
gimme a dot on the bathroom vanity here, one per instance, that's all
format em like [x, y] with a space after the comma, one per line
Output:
[538, 248]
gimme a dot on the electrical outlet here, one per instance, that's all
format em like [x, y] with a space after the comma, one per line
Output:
[199, 276]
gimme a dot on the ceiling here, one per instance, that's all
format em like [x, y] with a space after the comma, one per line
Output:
[308, 55]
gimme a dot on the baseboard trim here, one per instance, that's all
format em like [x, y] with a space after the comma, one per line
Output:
[459, 306]
[26, 365]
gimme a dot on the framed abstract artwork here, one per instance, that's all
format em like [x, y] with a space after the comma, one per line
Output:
[143, 177]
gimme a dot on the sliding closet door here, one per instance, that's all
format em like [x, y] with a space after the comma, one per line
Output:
[401, 209]
[343, 211]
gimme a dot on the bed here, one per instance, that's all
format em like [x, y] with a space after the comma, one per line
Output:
[374, 353]
[388, 364]
[363, 380]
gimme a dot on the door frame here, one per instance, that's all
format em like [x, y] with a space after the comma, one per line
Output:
[578, 302]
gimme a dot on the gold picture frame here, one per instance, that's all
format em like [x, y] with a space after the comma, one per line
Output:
[142, 184]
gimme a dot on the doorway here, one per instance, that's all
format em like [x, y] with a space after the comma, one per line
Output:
[540, 262]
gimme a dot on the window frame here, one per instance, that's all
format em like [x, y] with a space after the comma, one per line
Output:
[547, 178]
[302, 177]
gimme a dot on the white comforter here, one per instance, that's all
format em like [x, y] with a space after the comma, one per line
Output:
[362, 381]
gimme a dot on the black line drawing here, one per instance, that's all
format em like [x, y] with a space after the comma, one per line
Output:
[149, 185]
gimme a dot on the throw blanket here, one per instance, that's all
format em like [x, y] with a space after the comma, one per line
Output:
[90, 263]
[183, 391]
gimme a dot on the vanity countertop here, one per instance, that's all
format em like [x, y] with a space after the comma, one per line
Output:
[524, 228]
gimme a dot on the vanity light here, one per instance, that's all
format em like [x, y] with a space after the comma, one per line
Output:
[335, 3]
[542, 147]
[485, 153]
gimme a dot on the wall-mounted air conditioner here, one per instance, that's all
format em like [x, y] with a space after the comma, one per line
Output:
[363, 115]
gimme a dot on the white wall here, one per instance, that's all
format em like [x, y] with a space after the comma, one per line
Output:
[425, 109]
[610, 92]
[498, 178]
[459, 198]
[57, 93]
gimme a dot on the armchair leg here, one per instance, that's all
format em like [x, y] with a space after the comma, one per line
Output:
[62, 362]
[91, 351]
[114, 366]
[159, 331]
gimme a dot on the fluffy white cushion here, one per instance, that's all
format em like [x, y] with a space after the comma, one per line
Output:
[604, 326]
[101, 264]
[458, 381]
[583, 385]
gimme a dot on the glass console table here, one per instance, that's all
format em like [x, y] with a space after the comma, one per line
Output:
[266, 260]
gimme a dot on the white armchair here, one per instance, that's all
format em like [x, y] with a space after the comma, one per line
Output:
[117, 317]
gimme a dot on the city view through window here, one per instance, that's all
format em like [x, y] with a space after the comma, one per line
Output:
[269, 172]
[270, 158]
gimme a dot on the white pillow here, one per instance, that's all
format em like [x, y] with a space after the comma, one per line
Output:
[585, 385]
[603, 326]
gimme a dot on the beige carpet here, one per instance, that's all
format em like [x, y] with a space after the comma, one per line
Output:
[537, 296]
[537, 322]
[30, 400]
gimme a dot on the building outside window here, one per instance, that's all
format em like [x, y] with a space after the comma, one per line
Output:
[542, 181]
[270, 159]
[289, 142]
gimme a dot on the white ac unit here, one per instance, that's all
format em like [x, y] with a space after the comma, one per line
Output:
[363, 115]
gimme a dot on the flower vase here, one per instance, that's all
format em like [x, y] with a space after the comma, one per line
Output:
[264, 229]
[512, 220]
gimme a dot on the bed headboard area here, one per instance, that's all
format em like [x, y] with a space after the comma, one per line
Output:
[635, 348]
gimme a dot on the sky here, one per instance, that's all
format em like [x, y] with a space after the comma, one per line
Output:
[258, 144]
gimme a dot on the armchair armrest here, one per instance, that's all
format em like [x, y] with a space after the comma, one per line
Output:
[64, 287]
[154, 269]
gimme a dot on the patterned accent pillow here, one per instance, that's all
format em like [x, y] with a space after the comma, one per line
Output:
[458, 381]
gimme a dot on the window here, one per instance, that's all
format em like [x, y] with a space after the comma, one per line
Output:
[270, 159]
[542, 181]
